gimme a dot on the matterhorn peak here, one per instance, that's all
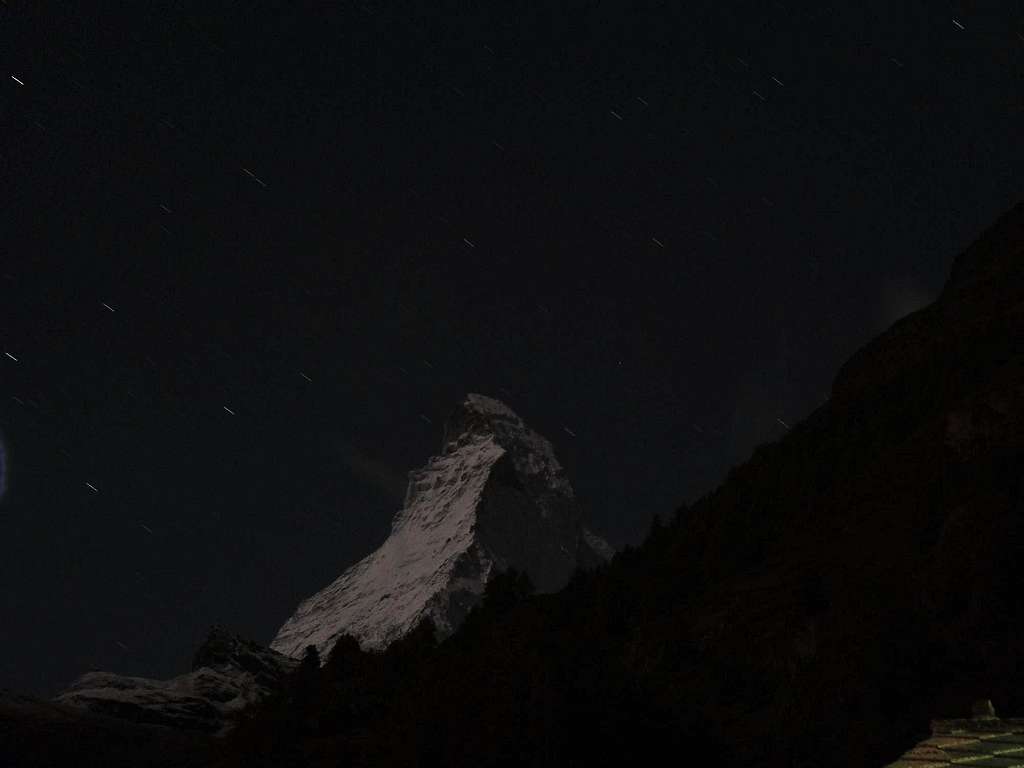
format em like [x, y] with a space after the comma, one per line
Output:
[489, 407]
[476, 416]
[496, 497]
[479, 417]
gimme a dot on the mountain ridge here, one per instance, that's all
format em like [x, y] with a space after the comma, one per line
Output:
[838, 590]
[229, 673]
[495, 497]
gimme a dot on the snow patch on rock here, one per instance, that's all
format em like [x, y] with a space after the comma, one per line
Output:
[229, 673]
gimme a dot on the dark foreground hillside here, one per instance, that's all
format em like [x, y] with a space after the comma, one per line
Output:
[841, 588]
[43, 734]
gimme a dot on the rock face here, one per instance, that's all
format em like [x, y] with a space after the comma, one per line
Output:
[496, 497]
[228, 673]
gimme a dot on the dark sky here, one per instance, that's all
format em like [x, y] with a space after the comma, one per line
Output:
[251, 255]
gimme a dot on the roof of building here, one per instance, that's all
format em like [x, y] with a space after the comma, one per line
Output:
[984, 740]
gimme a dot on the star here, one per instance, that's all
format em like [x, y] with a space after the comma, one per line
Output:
[254, 177]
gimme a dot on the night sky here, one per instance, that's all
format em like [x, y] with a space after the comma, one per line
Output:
[250, 257]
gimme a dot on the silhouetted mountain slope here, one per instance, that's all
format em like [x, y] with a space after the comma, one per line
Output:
[838, 590]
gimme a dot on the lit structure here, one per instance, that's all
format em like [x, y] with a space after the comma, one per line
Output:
[984, 740]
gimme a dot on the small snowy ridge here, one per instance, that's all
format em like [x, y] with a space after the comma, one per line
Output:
[205, 698]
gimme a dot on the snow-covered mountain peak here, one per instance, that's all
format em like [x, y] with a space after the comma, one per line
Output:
[532, 454]
[495, 498]
[480, 415]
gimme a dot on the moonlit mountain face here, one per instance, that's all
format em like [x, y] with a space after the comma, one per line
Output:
[495, 498]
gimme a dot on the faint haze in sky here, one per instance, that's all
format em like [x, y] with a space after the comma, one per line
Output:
[373, 471]
[899, 297]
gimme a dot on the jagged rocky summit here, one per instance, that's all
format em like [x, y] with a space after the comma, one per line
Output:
[228, 674]
[495, 498]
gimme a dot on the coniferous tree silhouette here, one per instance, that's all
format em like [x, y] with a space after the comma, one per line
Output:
[506, 590]
[309, 667]
[346, 649]
[304, 687]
